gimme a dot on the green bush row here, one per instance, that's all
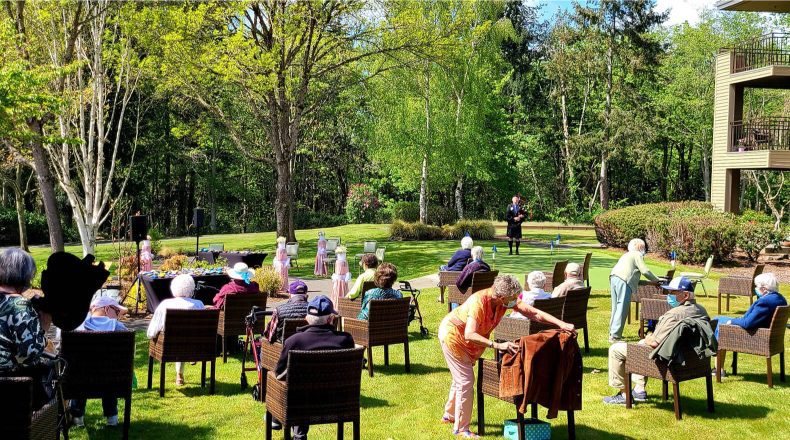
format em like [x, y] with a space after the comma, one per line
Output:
[477, 229]
[409, 212]
[694, 230]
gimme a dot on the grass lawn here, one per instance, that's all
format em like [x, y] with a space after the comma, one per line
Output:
[397, 405]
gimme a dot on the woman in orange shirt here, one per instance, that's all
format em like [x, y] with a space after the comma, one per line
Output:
[464, 336]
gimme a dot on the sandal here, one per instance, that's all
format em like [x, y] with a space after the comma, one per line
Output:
[447, 420]
[179, 381]
[466, 434]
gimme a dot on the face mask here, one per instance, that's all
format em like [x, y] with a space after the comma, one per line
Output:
[672, 300]
[758, 293]
[511, 304]
[643, 253]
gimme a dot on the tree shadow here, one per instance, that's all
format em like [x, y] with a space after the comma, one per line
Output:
[395, 369]
[699, 408]
[372, 402]
[757, 378]
[146, 429]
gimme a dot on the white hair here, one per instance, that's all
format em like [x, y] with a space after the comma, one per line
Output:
[637, 244]
[477, 253]
[317, 320]
[536, 280]
[467, 243]
[767, 280]
[182, 286]
[573, 269]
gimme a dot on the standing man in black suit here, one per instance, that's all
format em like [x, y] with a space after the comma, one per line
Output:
[515, 216]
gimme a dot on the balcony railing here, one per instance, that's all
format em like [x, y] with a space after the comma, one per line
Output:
[769, 50]
[761, 134]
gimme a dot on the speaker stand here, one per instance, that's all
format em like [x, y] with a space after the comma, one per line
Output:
[137, 298]
[197, 241]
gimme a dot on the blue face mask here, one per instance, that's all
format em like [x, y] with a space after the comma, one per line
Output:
[758, 293]
[672, 300]
[511, 304]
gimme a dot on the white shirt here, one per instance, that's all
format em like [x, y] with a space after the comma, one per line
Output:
[529, 297]
[158, 320]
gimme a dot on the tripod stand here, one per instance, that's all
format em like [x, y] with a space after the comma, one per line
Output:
[137, 298]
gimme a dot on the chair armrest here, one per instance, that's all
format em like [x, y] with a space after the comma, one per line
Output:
[736, 338]
[276, 393]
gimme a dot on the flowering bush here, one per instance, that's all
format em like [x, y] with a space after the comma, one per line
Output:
[362, 204]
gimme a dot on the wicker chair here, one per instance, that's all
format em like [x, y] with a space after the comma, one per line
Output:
[270, 353]
[644, 290]
[739, 286]
[652, 309]
[100, 364]
[480, 281]
[512, 329]
[638, 361]
[762, 342]
[388, 324]
[586, 268]
[350, 308]
[553, 278]
[334, 376]
[231, 318]
[447, 278]
[575, 312]
[188, 336]
[17, 417]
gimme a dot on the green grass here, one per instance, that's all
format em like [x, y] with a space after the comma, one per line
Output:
[397, 405]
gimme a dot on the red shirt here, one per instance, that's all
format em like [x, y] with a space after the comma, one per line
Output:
[234, 286]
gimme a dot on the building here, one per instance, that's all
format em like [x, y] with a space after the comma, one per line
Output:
[751, 144]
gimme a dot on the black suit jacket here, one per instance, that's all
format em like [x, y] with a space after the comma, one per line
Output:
[313, 337]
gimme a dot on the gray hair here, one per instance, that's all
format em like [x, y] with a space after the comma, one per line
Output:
[17, 268]
[477, 253]
[467, 243]
[767, 280]
[317, 320]
[506, 286]
[182, 286]
[536, 280]
[637, 244]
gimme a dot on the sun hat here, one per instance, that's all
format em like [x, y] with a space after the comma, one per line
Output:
[680, 283]
[297, 287]
[106, 301]
[241, 271]
[321, 305]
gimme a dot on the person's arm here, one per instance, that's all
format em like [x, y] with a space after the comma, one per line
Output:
[156, 324]
[754, 314]
[471, 335]
[540, 316]
[282, 363]
[454, 259]
[465, 279]
[640, 264]
[356, 290]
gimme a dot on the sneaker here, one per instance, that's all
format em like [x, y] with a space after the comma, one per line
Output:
[639, 396]
[78, 421]
[465, 434]
[615, 339]
[723, 372]
[112, 421]
[617, 399]
[276, 425]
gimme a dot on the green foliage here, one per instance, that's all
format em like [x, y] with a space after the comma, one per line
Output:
[156, 240]
[268, 280]
[477, 229]
[37, 232]
[755, 235]
[406, 211]
[362, 204]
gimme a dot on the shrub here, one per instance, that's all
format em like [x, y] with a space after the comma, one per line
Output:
[306, 219]
[176, 262]
[362, 204]
[405, 211]
[478, 229]
[441, 215]
[156, 240]
[268, 280]
[167, 252]
[400, 230]
[754, 236]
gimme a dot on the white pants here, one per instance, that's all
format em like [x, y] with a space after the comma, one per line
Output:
[617, 355]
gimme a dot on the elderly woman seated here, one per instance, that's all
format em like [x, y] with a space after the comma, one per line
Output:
[240, 282]
[460, 257]
[464, 280]
[385, 277]
[536, 280]
[182, 287]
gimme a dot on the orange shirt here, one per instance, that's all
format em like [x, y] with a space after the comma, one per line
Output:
[479, 306]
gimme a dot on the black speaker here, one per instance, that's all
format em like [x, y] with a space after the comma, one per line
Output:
[139, 225]
[197, 218]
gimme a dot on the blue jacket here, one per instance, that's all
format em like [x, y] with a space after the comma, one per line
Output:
[760, 313]
[458, 260]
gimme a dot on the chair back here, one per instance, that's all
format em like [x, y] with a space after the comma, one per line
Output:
[99, 364]
[653, 308]
[216, 247]
[388, 321]
[207, 257]
[448, 278]
[558, 274]
[776, 338]
[483, 280]
[552, 306]
[575, 309]
[16, 407]
[190, 335]
[367, 285]
[332, 244]
[369, 246]
[708, 266]
[646, 290]
[380, 253]
[586, 268]
[292, 249]
[757, 271]
[237, 307]
[290, 325]
[512, 329]
[334, 374]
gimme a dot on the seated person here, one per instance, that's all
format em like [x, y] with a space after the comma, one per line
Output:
[319, 334]
[103, 317]
[369, 263]
[240, 276]
[464, 280]
[535, 282]
[460, 257]
[182, 287]
[573, 281]
[760, 313]
[294, 308]
[683, 306]
[386, 275]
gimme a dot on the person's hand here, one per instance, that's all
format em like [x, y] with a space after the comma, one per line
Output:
[728, 322]
[568, 327]
[509, 347]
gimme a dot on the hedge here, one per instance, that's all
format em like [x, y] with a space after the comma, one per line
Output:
[409, 212]
[694, 230]
[477, 229]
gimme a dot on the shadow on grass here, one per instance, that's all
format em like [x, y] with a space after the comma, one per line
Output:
[372, 402]
[146, 429]
[757, 378]
[699, 408]
[396, 369]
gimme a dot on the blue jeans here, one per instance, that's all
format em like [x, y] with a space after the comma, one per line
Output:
[722, 320]
[109, 405]
[621, 300]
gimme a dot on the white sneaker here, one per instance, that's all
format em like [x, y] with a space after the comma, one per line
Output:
[112, 421]
[78, 421]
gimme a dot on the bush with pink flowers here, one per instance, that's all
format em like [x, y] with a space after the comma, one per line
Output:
[362, 204]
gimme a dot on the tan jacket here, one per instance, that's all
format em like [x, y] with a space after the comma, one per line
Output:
[566, 286]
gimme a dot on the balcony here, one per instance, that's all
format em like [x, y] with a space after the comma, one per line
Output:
[769, 50]
[760, 134]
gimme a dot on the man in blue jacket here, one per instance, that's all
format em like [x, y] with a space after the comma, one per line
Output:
[760, 313]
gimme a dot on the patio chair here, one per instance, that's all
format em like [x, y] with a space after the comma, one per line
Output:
[762, 342]
[231, 318]
[652, 309]
[586, 268]
[188, 336]
[447, 278]
[18, 419]
[648, 290]
[100, 364]
[512, 329]
[270, 353]
[553, 278]
[738, 285]
[380, 253]
[350, 308]
[638, 361]
[575, 312]
[331, 245]
[388, 324]
[697, 277]
[480, 281]
[292, 250]
[293, 401]
[216, 247]
[368, 247]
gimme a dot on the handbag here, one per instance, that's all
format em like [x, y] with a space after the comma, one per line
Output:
[534, 429]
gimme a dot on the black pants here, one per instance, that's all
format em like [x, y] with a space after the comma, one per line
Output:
[109, 405]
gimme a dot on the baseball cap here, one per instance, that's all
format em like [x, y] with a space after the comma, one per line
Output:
[321, 305]
[297, 287]
[680, 283]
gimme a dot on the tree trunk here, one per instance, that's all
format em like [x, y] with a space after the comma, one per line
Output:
[664, 169]
[424, 190]
[604, 182]
[47, 189]
[19, 201]
[570, 182]
[282, 201]
[705, 171]
[459, 197]
[607, 118]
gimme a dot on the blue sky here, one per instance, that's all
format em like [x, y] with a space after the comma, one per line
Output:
[680, 10]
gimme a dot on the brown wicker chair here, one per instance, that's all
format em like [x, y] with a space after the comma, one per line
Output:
[762, 342]
[738, 285]
[480, 281]
[637, 361]
[188, 336]
[575, 312]
[17, 417]
[652, 308]
[231, 318]
[350, 308]
[586, 268]
[388, 324]
[447, 278]
[270, 353]
[488, 385]
[512, 329]
[100, 365]
[321, 387]
[553, 278]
